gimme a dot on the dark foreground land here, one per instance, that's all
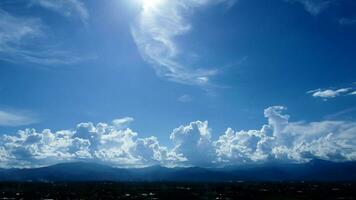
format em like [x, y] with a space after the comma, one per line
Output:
[183, 191]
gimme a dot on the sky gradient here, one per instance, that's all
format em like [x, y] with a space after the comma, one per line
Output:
[177, 82]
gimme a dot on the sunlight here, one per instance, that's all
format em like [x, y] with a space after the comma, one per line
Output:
[150, 4]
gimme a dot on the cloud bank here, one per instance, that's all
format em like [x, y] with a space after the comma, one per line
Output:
[155, 31]
[278, 140]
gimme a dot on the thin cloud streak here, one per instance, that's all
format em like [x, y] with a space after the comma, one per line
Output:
[314, 7]
[185, 98]
[347, 21]
[330, 93]
[18, 42]
[66, 8]
[156, 28]
[13, 119]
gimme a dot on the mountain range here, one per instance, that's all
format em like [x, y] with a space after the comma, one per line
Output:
[316, 170]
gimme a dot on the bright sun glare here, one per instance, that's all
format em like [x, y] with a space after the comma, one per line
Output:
[149, 4]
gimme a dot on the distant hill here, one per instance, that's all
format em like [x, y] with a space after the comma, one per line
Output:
[316, 170]
[77, 171]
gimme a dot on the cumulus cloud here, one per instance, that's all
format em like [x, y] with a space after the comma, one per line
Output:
[243, 146]
[193, 142]
[155, 31]
[150, 151]
[19, 42]
[107, 143]
[66, 8]
[16, 118]
[314, 7]
[329, 93]
[289, 141]
[278, 140]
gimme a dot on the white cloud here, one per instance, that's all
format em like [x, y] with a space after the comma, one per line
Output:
[278, 140]
[150, 151]
[185, 98]
[102, 142]
[122, 122]
[353, 93]
[67, 8]
[193, 142]
[158, 25]
[314, 7]
[19, 42]
[243, 146]
[329, 93]
[16, 118]
[289, 141]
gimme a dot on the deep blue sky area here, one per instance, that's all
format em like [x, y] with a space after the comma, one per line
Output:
[169, 63]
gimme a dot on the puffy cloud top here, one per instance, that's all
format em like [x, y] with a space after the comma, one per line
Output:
[193, 142]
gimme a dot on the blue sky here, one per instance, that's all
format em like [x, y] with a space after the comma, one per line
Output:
[160, 66]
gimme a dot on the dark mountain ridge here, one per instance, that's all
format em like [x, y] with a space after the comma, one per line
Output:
[316, 170]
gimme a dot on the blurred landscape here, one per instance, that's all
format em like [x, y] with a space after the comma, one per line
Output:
[317, 179]
[169, 190]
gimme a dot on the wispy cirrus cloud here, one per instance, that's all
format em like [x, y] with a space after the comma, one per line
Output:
[342, 113]
[347, 21]
[185, 98]
[314, 7]
[66, 8]
[155, 31]
[19, 38]
[11, 118]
